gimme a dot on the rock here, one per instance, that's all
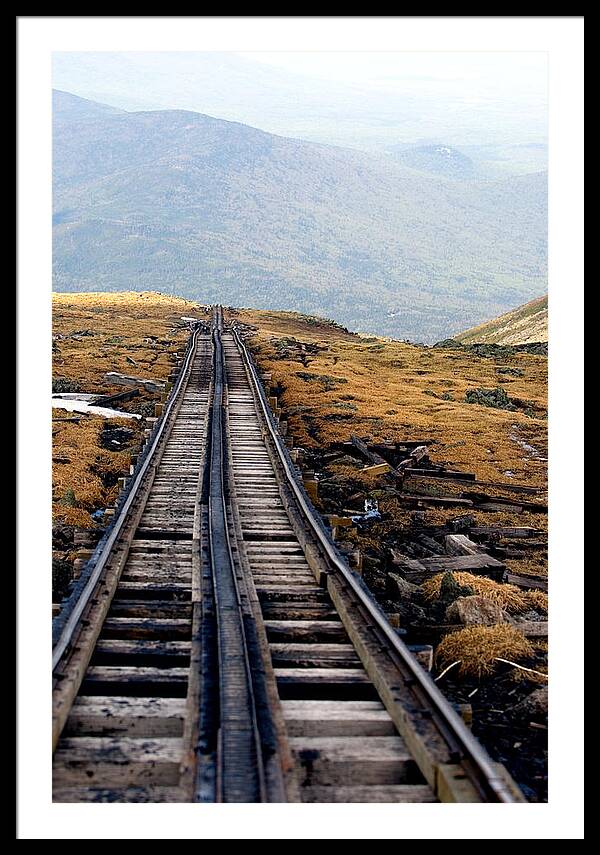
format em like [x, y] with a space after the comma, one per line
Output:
[62, 536]
[475, 610]
[62, 573]
[400, 587]
[345, 546]
[535, 705]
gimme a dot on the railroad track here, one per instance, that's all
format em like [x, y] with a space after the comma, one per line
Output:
[217, 648]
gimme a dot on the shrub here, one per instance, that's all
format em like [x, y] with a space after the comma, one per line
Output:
[477, 648]
[62, 384]
[509, 597]
[496, 398]
[69, 498]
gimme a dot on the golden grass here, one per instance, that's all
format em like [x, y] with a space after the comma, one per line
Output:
[477, 648]
[537, 600]
[390, 384]
[508, 597]
[79, 464]
[128, 328]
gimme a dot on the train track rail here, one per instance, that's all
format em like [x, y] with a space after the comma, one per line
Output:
[219, 649]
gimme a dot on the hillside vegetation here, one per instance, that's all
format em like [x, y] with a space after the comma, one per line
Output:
[92, 334]
[485, 414]
[525, 325]
[187, 204]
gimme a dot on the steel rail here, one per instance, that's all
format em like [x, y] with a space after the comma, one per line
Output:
[82, 601]
[240, 774]
[475, 758]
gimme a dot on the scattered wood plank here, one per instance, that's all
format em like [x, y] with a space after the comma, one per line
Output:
[448, 474]
[371, 456]
[533, 628]
[496, 507]
[469, 478]
[524, 580]
[117, 379]
[428, 543]
[478, 498]
[377, 469]
[419, 633]
[460, 544]
[109, 400]
[417, 570]
[418, 500]
[504, 531]
[341, 522]
[525, 544]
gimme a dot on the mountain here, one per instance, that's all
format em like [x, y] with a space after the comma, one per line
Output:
[412, 100]
[67, 108]
[441, 159]
[187, 204]
[525, 325]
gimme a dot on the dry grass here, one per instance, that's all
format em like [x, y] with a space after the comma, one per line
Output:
[81, 467]
[125, 326]
[397, 391]
[537, 600]
[477, 648]
[508, 597]
[391, 385]
[142, 327]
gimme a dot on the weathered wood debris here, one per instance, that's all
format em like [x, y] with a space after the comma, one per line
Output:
[117, 379]
[109, 400]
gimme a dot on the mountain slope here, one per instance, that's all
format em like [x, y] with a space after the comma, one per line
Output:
[441, 159]
[184, 203]
[527, 324]
[72, 108]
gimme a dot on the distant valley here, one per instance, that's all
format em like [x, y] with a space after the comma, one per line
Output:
[183, 203]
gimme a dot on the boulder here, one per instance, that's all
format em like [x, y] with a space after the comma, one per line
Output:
[475, 610]
[535, 705]
[400, 587]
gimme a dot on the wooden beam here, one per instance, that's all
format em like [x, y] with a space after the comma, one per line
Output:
[109, 400]
[416, 499]
[417, 570]
[505, 500]
[448, 474]
[460, 544]
[372, 456]
[504, 531]
[377, 469]
[523, 580]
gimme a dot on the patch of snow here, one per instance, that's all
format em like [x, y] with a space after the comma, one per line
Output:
[531, 451]
[74, 405]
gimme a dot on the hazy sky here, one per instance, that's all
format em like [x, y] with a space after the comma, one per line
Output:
[516, 75]
[359, 99]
